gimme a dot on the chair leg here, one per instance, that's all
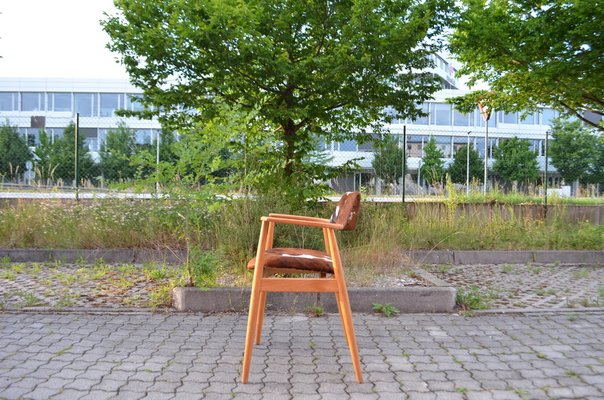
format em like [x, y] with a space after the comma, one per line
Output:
[346, 313]
[260, 316]
[252, 321]
[255, 298]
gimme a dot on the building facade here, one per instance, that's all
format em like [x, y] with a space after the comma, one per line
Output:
[51, 104]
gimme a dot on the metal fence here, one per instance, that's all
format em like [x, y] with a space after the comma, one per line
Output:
[408, 151]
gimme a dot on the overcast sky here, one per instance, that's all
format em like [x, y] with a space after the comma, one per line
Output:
[56, 38]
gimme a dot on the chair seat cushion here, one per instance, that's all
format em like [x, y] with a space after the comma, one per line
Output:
[296, 259]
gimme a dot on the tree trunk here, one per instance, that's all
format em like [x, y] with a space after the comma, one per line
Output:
[289, 138]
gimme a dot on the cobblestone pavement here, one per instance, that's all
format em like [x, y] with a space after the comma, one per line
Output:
[529, 286]
[193, 356]
[60, 286]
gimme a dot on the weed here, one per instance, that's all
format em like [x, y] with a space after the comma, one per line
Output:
[387, 309]
[63, 351]
[8, 275]
[601, 291]
[541, 356]
[160, 297]
[28, 300]
[582, 274]
[65, 301]
[571, 374]
[4, 261]
[317, 311]
[523, 394]
[155, 274]
[35, 268]
[507, 268]
[471, 299]
[462, 390]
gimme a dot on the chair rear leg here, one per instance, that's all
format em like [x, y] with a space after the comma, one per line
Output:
[346, 313]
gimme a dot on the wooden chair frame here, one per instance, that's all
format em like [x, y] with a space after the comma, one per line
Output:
[264, 282]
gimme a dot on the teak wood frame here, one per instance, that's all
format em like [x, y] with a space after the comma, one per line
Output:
[263, 282]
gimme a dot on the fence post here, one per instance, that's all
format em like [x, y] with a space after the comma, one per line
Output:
[545, 184]
[404, 161]
[77, 157]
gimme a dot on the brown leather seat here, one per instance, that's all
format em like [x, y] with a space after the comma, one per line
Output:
[295, 259]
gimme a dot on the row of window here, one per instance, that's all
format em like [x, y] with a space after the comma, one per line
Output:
[94, 138]
[447, 144]
[105, 105]
[86, 104]
[446, 114]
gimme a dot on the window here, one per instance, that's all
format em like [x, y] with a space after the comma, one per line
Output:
[460, 119]
[479, 121]
[548, 116]
[7, 101]
[529, 119]
[84, 104]
[31, 101]
[143, 136]
[134, 104]
[109, 103]
[422, 120]
[509, 118]
[348, 145]
[59, 102]
[441, 114]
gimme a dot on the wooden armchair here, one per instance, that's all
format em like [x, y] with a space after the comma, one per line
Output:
[327, 267]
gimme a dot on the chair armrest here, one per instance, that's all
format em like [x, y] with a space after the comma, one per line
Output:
[303, 221]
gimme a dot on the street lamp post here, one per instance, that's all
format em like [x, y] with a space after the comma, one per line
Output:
[468, 167]
[485, 110]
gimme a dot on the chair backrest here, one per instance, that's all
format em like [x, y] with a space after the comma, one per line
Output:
[347, 210]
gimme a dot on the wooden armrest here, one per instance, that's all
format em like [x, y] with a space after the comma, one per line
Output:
[298, 217]
[306, 221]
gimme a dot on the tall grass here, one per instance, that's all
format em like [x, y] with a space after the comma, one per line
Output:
[231, 228]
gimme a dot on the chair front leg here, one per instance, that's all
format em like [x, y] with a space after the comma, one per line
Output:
[255, 300]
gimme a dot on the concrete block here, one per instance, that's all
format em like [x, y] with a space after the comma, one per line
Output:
[594, 257]
[92, 255]
[27, 255]
[492, 257]
[437, 298]
[172, 257]
[432, 257]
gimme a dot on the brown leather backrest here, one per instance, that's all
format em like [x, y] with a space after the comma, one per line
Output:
[347, 210]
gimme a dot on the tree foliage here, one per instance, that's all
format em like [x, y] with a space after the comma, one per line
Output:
[576, 151]
[514, 161]
[56, 159]
[388, 160]
[458, 169]
[304, 68]
[14, 152]
[432, 169]
[116, 154]
[534, 53]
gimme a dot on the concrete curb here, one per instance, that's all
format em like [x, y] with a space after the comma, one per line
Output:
[438, 298]
[469, 257]
[458, 257]
[92, 255]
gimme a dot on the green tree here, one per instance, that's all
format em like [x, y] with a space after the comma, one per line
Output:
[116, 154]
[14, 152]
[432, 169]
[514, 161]
[305, 68]
[56, 159]
[458, 169]
[388, 160]
[574, 151]
[534, 53]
